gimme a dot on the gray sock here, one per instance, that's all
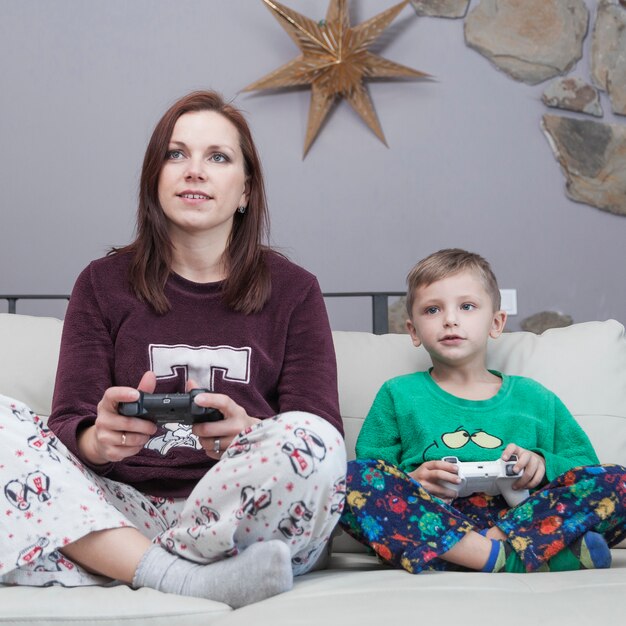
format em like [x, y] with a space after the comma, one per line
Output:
[260, 571]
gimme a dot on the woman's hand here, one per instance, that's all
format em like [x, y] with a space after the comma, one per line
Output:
[432, 474]
[215, 437]
[114, 437]
[533, 464]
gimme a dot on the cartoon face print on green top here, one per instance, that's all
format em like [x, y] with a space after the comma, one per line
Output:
[462, 437]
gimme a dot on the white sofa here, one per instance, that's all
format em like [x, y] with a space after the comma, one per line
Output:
[585, 364]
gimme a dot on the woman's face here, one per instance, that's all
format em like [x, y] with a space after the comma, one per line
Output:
[203, 179]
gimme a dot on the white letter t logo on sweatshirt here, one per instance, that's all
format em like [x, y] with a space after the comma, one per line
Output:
[201, 362]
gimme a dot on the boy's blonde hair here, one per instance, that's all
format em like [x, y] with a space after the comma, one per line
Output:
[446, 263]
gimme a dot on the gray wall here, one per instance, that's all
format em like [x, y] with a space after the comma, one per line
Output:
[84, 82]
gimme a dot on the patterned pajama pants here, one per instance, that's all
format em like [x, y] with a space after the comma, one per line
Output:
[283, 479]
[409, 528]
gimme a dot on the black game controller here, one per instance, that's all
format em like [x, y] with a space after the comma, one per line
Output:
[163, 408]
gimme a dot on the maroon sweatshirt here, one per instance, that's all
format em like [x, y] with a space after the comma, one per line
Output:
[277, 360]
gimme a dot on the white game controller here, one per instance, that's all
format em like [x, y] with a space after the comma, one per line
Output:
[490, 477]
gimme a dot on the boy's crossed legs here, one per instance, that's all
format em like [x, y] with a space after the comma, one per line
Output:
[409, 528]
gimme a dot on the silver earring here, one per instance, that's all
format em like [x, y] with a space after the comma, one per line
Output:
[241, 209]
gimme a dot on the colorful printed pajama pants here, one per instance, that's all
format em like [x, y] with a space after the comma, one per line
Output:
[282, 479]
[409, 528]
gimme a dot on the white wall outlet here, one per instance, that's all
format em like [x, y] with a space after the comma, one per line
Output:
[509, 301]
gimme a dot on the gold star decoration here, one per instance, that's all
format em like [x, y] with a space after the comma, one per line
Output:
[334, 61]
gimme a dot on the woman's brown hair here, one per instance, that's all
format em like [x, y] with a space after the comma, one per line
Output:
[247, 286]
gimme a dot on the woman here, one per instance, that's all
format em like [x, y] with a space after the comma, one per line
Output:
[228, 510]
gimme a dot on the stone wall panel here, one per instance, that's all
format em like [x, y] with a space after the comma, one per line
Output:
[592, 156]
[608, 53]
[530, 40]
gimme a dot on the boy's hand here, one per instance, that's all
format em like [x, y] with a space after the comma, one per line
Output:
[431, 474]
[533, 464]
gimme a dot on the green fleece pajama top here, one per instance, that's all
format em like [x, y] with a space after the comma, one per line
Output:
[413, 420]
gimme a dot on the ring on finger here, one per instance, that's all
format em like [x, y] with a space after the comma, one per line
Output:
[123, 439]
[216, 446]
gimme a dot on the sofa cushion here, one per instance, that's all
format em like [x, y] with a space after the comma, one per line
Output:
[30, 351]
[117, 605]
[584, 364]
[355, 590]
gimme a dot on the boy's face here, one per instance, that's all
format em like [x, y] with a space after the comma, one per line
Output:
[453, 319]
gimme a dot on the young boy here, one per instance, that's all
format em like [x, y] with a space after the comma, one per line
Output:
[398, 502]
